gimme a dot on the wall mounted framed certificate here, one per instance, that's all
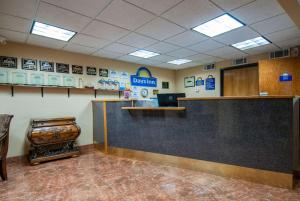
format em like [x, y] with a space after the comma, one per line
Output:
[189, 81]
[62, 68]
[29, 64]
[77, 69]
[47, 66]
[91, 71]
[103, 72]
[8, 62]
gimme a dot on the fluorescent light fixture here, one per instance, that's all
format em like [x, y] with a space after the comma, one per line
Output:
[50, 31]
[179, 61]
[218, 25]
[247, 44]
[143, 53]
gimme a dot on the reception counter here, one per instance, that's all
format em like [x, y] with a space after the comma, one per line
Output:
[253, 138]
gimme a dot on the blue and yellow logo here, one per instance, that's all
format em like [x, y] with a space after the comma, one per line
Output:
[143, 77]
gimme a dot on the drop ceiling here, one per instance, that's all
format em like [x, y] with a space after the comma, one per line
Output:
[115, 28]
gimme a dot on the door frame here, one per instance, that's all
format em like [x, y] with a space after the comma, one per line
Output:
[233, 68]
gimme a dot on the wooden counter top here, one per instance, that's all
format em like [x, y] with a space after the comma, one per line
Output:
[155, 108]
[113, 100]
[236, 98]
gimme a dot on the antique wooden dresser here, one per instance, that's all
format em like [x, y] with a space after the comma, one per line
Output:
[52, 139]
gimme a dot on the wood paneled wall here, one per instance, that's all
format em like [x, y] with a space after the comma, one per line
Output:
[269, 72]
[241, 82]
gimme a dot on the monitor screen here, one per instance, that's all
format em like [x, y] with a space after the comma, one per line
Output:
[169, 100]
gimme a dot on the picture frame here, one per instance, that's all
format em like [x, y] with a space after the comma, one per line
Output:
[103, 72]
[165, 85]
[76, 69]
[29, 64]
[46, 66]
[62, 68]
[8, 62]
[189, 81]
[91, 70]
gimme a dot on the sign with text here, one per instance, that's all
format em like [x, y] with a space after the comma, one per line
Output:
[143, 78]
[210, 83]
[285, 77]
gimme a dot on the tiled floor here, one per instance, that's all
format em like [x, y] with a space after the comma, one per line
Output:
[95, 176]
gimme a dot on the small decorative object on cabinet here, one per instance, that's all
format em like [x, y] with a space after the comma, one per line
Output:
[52, 139]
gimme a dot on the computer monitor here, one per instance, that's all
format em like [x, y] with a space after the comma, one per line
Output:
[169, 100]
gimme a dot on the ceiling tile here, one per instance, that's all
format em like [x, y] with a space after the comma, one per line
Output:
[167, 65]
[79, 49]
[14, 23]
[155, 6]
[107, 54]
[137, 40]
[273, 24]
[182, 53]
[20, 8]
[237, 35]
[289, 43]
[103, 30]
[227, 53]
[149, 62]
[201, 57]
[257, 11]
[162, 47]
[187, 38]
[45, 42]
[163, 58]
[90, 8]
[187, 65]
[53, 15]
[125, 15]
[160, 29]
[89, 41]
[192, 13]
[283, 35]
[129, 58]
[13, 35]
[120, 48]
[262, 49]
[231, 4]
[206, 46]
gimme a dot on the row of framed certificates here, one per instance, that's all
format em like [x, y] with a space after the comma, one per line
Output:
[23, 78]
[47, 66]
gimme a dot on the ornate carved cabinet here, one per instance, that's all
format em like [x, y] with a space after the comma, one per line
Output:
[52, 139]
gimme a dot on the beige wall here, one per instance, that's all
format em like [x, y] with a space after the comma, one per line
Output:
[27, 103]
[199, 72]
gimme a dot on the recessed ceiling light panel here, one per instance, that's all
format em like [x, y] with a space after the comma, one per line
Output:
[50, 31]
[179, 61]
[143, 54]
[218, 25]
[255, 42]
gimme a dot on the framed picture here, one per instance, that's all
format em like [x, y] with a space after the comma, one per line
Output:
[189, 81]
[165, 85]
[47, 66]
[77, 69]
[29, 64]
[103, 72]
[8, 62]
[155, 91]
[62, 68]
[91, 71]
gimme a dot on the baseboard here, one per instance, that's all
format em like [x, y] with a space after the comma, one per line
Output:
[271, 178]
[84, 149]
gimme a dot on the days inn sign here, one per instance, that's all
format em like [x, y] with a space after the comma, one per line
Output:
[143, 78]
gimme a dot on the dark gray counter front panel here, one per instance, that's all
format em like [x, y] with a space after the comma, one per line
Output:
[256, 133]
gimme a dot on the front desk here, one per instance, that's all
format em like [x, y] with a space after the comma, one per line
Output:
[253, 138]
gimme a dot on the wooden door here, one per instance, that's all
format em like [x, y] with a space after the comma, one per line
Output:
[241, 81]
